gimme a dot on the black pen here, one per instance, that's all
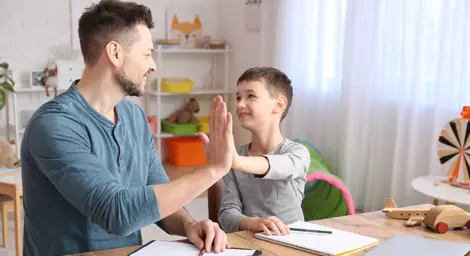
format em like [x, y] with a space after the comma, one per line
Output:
[312, 230]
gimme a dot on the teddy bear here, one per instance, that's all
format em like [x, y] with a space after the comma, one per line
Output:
[50, 79]
[8, 157]
[185, 114]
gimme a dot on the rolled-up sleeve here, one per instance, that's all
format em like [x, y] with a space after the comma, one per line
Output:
[60, 147]
[291, 164]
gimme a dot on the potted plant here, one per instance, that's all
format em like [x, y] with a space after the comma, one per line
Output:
[6, 82]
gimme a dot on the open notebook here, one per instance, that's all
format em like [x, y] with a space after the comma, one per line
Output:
[339, 243]
[156, 247]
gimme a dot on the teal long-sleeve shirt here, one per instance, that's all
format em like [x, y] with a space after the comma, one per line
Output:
[86, 180]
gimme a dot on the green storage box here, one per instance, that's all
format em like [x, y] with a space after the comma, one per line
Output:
[179, 129]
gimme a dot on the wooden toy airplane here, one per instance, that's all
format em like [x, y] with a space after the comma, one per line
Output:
[413, 216]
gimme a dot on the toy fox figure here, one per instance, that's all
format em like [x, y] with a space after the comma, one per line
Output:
[189, 34]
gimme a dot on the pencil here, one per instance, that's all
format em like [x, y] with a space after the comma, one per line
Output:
[311, 230]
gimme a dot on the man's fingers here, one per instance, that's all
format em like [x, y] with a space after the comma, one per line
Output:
[220, 239]
[229, 126]
[204, 139]
[227, 244]
[196, 240]
[222, 117]
[212, 116]
[209, 237]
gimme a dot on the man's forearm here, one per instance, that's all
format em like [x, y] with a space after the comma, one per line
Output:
[174, 195]
[253, 164]
[178, 222]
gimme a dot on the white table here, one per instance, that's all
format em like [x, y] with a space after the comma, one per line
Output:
[443, 191]
[13, 186]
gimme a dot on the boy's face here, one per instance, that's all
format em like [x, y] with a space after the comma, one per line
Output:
[255, 107]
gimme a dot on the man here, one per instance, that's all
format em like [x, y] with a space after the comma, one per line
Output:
[91, 175]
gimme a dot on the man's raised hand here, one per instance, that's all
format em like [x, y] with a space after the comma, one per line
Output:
[219, 145]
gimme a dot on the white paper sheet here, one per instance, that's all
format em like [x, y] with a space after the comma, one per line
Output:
[178, 248]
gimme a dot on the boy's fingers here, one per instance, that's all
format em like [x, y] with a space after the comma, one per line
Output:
[266, 230]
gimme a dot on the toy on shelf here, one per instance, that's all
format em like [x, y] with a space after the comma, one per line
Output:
[443, 217]
[8, 157]
[412, 216]
[185, 114]
[454, 150]
[177, 85]
[50, 79]
[189, 34]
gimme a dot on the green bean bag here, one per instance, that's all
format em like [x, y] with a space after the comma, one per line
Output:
[325, 194]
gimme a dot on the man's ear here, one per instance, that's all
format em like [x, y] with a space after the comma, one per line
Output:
[281, 104]
[114, 53]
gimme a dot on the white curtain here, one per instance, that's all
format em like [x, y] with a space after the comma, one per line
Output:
[374, 83]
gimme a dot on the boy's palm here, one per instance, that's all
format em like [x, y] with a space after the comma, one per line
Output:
[219, 145]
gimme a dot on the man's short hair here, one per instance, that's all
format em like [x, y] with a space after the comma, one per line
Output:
[110, 20]
[276, 83]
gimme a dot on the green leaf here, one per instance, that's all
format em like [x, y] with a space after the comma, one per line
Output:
[4, 65]
[11, 80]
[8, 87]
[2, 99]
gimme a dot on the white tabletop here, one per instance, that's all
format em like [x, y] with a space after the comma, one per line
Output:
[443, 191]
[13, 179]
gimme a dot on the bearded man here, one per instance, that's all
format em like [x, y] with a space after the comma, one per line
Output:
[91, 175]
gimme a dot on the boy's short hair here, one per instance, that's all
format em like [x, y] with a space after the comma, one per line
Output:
[276, 83]
[110, 20]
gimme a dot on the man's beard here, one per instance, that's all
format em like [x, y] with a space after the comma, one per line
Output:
[130, 88]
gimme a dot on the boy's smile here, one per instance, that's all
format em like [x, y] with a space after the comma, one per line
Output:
[254, 104]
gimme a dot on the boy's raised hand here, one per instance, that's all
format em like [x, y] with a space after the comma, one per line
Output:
[219, 145]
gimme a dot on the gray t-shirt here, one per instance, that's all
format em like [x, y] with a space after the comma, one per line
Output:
[278, 193]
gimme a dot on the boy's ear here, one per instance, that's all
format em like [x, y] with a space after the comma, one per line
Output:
[281, 104]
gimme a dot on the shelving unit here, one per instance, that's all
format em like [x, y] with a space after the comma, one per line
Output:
[159, 95]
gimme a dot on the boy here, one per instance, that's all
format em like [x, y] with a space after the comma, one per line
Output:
[264, 189]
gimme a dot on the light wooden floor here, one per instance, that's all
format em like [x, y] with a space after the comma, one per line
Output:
[197, 208]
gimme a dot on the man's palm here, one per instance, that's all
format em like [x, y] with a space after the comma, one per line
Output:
[219, 145]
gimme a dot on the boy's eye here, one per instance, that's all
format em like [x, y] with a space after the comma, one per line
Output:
[238, 98]
[251, 96]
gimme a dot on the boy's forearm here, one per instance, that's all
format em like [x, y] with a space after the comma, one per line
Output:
[184, 189]
[258, 165]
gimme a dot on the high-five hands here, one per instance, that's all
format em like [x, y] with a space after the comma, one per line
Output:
[219, 146]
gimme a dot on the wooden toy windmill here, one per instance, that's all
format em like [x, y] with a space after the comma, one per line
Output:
[454, 149]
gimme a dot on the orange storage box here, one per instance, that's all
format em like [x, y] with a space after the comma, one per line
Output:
[185, 151]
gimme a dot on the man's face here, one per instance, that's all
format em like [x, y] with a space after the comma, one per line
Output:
[138, 63]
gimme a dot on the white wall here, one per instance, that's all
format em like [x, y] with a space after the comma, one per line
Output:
[30, 36]
[246, 45]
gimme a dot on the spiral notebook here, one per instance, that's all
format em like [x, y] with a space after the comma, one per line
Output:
[339, 243]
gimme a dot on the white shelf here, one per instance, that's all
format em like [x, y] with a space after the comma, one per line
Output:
[195, 92]
[224, 90]
[169, 135]
[39, 89]
[176, 50]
